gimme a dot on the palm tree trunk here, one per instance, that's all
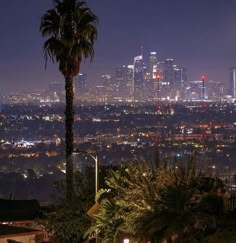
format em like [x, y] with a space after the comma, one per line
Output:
[69, 138]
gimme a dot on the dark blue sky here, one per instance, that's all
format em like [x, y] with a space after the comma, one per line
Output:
[199, 34]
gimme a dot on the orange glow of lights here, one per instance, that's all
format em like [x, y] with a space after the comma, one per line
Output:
[158, 76]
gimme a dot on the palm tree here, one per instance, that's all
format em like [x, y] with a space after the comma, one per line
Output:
[71, 30]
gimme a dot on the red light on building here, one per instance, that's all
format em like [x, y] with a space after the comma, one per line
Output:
[37, 155]
[203, 136]
[158, 107]
[158, 76]
[203, 77]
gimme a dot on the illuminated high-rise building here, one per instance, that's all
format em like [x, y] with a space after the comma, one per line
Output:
[58, 89]
[215, 89]
[81, 84]
[173, 80]
[194, 90]
[167, 82]
[149, 83]
[169, 72]
[180, 82]
[152, 62]
[121, 82]
[232, 82]
[138, 78]
[107, 84]
[104, 91]
[130, 80]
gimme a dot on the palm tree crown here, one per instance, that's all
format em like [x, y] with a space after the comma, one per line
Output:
[71, 30]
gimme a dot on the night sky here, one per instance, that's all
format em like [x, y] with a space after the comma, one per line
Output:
[199, 34]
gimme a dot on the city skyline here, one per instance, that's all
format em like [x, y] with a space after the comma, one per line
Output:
[201, 38]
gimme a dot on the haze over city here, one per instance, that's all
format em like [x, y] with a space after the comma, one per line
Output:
[200, 35]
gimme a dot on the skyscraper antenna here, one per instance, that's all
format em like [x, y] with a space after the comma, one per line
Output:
[142, 51]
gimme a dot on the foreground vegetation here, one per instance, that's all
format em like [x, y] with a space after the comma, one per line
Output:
[161, 203]
[145, 203]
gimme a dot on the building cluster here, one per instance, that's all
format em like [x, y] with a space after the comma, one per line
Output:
[144, 80]
[153, 79]
[148, 79]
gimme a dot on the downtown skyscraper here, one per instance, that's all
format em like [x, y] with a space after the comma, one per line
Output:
[232, 82]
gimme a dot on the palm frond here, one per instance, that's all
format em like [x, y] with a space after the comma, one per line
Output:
[53, 49]
[50, 23]
[70, 25]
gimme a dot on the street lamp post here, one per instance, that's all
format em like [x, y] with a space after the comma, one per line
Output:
[95, 158]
